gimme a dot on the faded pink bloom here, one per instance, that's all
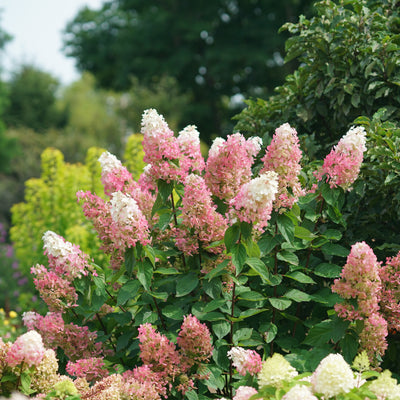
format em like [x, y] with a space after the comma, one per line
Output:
[158, 353]
[189, 143]
[245, 361]
[27, 349]
[194, 340]
[253, 203]
[229, 164]
[360, 280]
[144, 374]
[161, 148]
[390, 294]
[200, 224]
[373, 336]
[57, 292]
[342, 165]
[283, 156]
[244, 393]
[92, 369]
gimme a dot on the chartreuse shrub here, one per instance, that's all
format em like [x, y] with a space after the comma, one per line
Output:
[211, 267]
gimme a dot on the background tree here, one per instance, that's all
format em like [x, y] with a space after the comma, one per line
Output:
[215, 50]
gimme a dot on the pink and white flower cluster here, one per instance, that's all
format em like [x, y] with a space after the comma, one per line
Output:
[245, 361]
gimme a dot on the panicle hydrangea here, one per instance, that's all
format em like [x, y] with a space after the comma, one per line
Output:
[158, 352]
[144, 374]
[161, 148]
[57, 292]
[244, 393]
[254, 201]
[200, 222]
[360, 280]
[283, 156]
[342, 165]
[65, 258]
[373, 336]
[194, 340]
[109, 388]
[229, 164]
[274, 371]
[245, 360]
[115, 223]
[385, 387]
[129, 224]
[28, 349]
[390, 294]
[116, 178]
[299, 392]
[332, 377]
[189, 143]
[132, 389]
[146, 180]
[46, 373]
[92, 369]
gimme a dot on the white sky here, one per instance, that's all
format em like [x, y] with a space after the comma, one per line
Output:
[36, 27]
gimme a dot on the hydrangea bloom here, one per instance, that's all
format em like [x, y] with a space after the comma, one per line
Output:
[342, 165]
[92, 369]
[189, 143]
[245, 360]
[28, 349]
[244, 393]
[275, 370]
[161, 148]
[200, 224]
[46, 373]
[299, 392]
[229, 164]
[385, 387]
[283, 156]
[332, 377]
[194, 340]
[254, 201]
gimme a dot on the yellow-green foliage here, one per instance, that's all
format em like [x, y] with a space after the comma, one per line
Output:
[50, 204]
[134, 155]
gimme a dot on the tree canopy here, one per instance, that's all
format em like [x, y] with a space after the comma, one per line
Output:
[214, 49]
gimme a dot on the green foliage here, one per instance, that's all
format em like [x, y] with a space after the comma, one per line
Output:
[32, 99]
[349, 67]
[134, 155]
[50, 204]
[214, 50]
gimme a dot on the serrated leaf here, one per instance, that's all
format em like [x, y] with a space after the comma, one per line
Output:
[241, 334]
[269, 331]
[285, 227]
[334, 249]
[130, 260]
[231, 236]
[332, 234]
[173, 312]
[145, 273]
[164, 189]
[332, 329]
[288, 256]
[166, 271]
[327, 270]
[251, 296]
[303, 233]
[239, 256]
[221, 328]
[260, 268]
[214, 304]
[186, 284]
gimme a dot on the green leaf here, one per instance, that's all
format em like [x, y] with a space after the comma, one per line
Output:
[267, 244]
[327, 270]
[334, 249]
[260, 268]
[173, 312]
[285, 227]
[241, 334]
[165, 189]
[149, 252]
[331, 195]
[303, 233]
[191, 395]
[332, 234]
[145, 273]
[300, 277]
[217, 271]
[297, 295]
[128, 291]
[159, 295]
[239, 256]
[166, 271]
[214, 304]
[25, 379]
[186, 284]
[130, 260]
[280, 304]
[245, 230]
[164, 220]
[221, 328]
[269, 330]
[288, 256]
[231, 237]
[332, 329]
[251, 296]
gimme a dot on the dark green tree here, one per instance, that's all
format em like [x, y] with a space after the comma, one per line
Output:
[215, 49]
[32, 99]
[349, 66]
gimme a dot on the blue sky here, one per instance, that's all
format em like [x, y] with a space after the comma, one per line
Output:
[36, 27]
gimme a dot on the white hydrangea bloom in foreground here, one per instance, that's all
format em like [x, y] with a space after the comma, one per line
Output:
[275, 370]
[299, 392]
[385, 387]
[109, 163]
[124, 208]
[153, 123]
[333, 376]
[56, 245]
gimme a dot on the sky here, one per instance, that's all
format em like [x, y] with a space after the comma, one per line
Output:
[36, 27]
